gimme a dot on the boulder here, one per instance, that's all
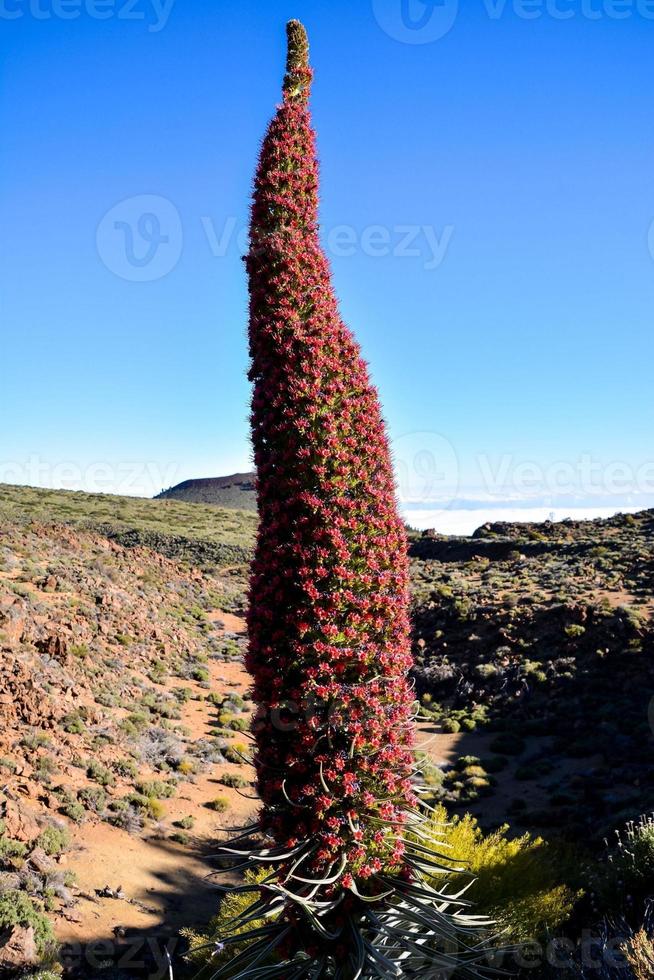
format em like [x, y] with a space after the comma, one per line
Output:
[18, 948]
[20, 822]
[53, 645]
[41, 861]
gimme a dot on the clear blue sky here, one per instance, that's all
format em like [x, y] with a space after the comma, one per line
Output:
[522, 331]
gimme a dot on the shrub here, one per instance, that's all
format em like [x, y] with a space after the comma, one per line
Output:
[74, 724]
[185, 823]
[179, 837]
[639, 953]
[45, 768]
[54, 840]
[11, 849]
[157, 789]
[235, 754]
[626, 875]
[73, 810]
[233, 722]
[93, 797]
[233, 780]
[186, 767]
[205, 948]
[100, 773]
[220, 804]
[125, 767]
[519, 881]
[156, 809]
[450, 725]
[17, 909]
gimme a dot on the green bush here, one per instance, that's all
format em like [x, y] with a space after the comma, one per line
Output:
[519, 882]
[627, 873]
[219, 805]
[185, 823]
[235, 723]
[45, 768]
[17, 909]
[74, 811]
[93, 797]
[157, 789]
[35, 740]
[11, 849]
[54, 840]
[156, 809]
[125, 767]
[74, 724]
[233, 780]
[179, 837]
[451, 725]
[203, 946]
[237, 754]
[100, 773]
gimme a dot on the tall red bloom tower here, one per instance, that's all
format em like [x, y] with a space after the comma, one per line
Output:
[328, 606]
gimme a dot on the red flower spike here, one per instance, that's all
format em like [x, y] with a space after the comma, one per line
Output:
[329, 578]
[328, 611]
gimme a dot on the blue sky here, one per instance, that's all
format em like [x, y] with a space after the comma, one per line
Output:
[487, 196]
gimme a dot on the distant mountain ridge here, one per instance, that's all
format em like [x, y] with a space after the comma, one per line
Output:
[236, 490]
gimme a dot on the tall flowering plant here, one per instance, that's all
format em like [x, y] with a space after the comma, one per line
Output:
[349, 891]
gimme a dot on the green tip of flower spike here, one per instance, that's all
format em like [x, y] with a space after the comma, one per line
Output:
[298, 74]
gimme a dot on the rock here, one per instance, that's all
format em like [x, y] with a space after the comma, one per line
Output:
[12, 622]
[71, 915]
[10, 881]
[40, 860]
[18, 948]
[54, 646]
[20, 822]
[62, 891]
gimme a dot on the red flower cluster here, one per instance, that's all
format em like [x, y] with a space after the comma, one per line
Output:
[328, 610]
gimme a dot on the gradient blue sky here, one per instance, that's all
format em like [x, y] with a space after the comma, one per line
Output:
[524, 145]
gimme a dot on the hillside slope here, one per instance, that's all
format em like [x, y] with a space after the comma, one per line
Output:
[122, 694]
[122, 700]
[236, 490]
[534, 646]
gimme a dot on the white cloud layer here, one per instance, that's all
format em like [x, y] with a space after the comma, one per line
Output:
[465, 521]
